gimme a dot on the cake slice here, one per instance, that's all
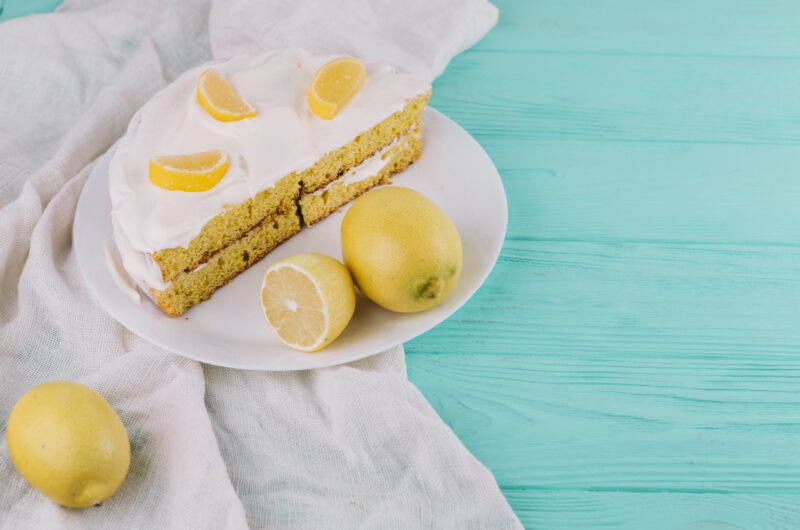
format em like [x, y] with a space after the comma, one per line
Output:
[287, 167]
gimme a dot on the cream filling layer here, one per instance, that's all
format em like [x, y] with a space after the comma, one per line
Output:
[366, 169]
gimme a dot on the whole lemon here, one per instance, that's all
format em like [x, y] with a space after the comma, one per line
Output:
[402, 249]
[68, 443]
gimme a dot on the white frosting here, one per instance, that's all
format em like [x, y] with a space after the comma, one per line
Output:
[285, 136]
[120, 277]
[140, 265]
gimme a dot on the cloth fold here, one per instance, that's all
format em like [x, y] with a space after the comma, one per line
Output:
[349, 446]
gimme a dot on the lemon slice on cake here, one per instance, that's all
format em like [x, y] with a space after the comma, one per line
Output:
[308, 300]
[334, 84]
[196, 172]
[219, 97]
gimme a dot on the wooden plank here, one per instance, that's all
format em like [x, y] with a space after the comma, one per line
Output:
[650, 192]
[640, 300]
[602, 159]
[642, 367]
[614, 421]
[711, 27]
[19, 8]
[622, 98]
[663, 355]
[575, 510]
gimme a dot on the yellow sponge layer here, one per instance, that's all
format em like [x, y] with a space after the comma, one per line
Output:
[190, 288]
[228, 226]
[316, 206]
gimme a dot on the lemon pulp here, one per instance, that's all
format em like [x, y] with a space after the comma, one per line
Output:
[334, 84]
[220, 98]
[195, 172]
[307, 300]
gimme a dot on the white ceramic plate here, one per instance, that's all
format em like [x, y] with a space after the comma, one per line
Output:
[229, 329]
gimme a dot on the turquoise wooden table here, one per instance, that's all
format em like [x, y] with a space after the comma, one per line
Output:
[634, 359]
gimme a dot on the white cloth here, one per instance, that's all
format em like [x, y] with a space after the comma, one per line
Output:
[349, 446]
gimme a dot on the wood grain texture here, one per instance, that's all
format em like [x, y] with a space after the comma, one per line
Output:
[615, 97]
[18, 8]
[646, 192]
[719, 28]
[633, 360]
[654, 511]
[636, 300]
[606, 422]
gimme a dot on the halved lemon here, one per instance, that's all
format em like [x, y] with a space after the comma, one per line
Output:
[197, 172]
[308, 300]
[334, 84]
[219, 97]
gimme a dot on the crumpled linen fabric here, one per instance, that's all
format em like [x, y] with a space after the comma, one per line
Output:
[353, 446]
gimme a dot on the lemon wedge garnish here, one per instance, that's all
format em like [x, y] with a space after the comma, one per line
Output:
[197, 172]
[334, 84]
[307, 300]
[219, 97]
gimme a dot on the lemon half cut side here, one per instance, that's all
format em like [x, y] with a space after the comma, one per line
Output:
[307, 300]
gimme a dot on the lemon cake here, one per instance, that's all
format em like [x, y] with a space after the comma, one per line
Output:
[235, 157]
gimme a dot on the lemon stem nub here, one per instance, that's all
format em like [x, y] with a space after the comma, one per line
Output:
[430, 289]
